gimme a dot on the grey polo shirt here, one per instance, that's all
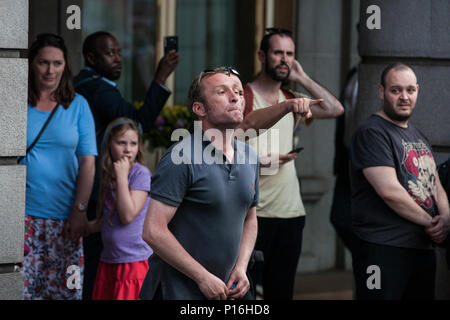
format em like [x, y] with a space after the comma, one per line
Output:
[212, 200]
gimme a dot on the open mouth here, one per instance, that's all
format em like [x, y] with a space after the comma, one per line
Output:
[283, 68]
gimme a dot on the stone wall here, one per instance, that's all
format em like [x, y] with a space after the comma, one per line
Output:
[418, 36]
[415, 32]
[322, 26]
[13, 104]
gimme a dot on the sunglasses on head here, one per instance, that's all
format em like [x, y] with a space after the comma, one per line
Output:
[208, 72]
[225, 70]
[271, 31]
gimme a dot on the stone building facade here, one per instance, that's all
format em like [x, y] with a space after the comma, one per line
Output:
[13, 115]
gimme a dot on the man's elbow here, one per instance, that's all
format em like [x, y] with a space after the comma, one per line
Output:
[338, 109]
[151, 236]
[329, 111]
[147, 236]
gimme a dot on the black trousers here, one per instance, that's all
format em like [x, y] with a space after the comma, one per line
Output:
[405, 273]
[92, 246]
[341, 211]
[280, 240]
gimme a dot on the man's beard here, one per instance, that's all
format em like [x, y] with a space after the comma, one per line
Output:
[113, 75]
[390, 112]
[108, 72]
[272, 72]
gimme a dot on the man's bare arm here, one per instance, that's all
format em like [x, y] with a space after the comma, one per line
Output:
[267, 117]
[165, 245]
[238, 275]
[384, 181]
[330, 107]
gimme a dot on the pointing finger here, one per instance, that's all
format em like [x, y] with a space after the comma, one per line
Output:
[315, 101]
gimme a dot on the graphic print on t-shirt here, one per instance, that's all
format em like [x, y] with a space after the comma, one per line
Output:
[421, 170]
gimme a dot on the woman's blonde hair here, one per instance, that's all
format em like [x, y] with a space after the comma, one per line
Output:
[107, 179]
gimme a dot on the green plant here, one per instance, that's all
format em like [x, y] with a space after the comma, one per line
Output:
[169, 119]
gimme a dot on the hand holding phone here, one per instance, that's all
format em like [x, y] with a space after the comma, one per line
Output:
[169, 61]
[170, 43]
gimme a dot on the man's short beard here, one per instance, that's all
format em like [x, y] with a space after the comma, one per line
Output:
[390, 112]
[273, 73]
[113, 75]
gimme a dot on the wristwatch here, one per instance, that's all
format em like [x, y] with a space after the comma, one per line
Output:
[81, 207]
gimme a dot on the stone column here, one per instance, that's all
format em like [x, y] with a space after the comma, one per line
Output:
[320, 49]
[415, 32]
[13, 111]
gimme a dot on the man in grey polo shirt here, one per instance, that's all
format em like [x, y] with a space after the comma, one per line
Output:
[201, 221]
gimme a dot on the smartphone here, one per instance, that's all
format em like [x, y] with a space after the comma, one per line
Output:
[296, 150]
[170, 43]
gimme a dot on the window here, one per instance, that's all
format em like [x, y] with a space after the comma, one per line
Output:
[133, 23]
[211, 34]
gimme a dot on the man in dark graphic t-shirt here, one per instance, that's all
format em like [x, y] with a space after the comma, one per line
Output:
[399, 208]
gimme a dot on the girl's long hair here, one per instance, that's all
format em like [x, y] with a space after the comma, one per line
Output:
[107, 178]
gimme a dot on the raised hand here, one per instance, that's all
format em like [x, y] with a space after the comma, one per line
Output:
[297, 72]
[166, 66]
[122, 167]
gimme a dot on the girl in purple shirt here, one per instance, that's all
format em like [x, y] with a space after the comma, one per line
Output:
[123, 202]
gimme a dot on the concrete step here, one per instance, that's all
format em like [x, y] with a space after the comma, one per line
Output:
[326, 285]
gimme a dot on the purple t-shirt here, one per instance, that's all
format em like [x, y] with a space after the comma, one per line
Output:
[124, 243]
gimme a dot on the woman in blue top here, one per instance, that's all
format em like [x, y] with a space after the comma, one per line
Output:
[60, 173]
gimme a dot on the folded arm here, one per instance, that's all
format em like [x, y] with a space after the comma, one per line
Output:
[384, 181]
[441, 223]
